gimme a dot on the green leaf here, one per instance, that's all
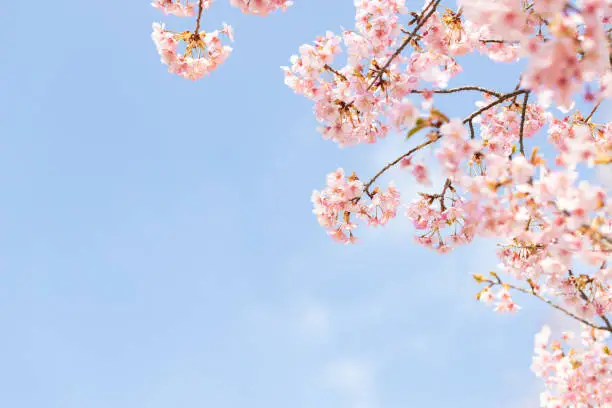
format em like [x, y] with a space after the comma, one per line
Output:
[419, 125]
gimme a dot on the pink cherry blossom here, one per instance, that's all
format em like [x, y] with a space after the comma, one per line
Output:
[204, 51]
[260, 7]
[176, 7]
[517, 169]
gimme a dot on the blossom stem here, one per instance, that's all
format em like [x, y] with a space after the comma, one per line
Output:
[432, 6]
[554, 305]
[586, 299]
[458, 89]
[399, 159]
[588, 118]
[330, 69]
[200, 10]
[494, 103]
[438, 136]
[522, 129]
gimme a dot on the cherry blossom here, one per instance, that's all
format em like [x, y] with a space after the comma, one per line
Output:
[177, 8]
[261, 7]
[517, 169]
[578, 376]
[204, 50]
[551, 221]
[343, 198]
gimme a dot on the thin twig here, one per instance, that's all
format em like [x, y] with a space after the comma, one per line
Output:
[567, 312]
[458, 89]
[447, 185]
[394, 162]
[498, 42]
[592, 112]
[492, 104]
[522, 129]
[472, 133]
[554, 305]
[421, 21]
[330, 69]
[200, 10]
[436, 138]
[586, 299]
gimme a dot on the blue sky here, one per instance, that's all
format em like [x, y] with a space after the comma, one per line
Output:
[158, 247]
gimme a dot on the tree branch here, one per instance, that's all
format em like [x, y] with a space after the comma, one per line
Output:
[330, 69]
[492, 104]
[548, 302]
[522, 130]
[586, 299]
[421, 21]
[394, 162]
[458, 89]
[438, 136]
[472, 133]
[592, 112]
[200, 10]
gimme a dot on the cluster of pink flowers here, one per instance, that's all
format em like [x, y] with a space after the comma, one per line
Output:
[261, 7]
[567, 45]
[554, 225]
[578, 377]
[435, 213]
[363, 100]
[455, 148]
[502, 299]
[344, 197]
[555, 229]
[204, 50]
[579, 142]
[177, 8]
[418, 170]
[500, 125]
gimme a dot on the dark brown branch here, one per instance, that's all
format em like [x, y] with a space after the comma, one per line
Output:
[458, 89]
[567, 312]
[447, 185]
[492, 104]
[200, 10]
[437, 137]
[548, 302]
[330, 69]
[586, 299]
[394, 162]
[421, 21]
[522, 129]
[592, 112]
[498, 42]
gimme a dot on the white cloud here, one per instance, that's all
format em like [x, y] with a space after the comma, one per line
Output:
[604, 176]
[354, 379]
[604, 172]
[388, 150]
[313, 322]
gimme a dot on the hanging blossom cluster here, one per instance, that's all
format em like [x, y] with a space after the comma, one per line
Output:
[260, 7]
[566, 42]
[363, 100]
[340, 200]
[553, 221]
[580, 376]
[203, 50]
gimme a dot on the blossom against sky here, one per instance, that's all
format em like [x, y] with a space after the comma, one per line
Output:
[158, 246]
